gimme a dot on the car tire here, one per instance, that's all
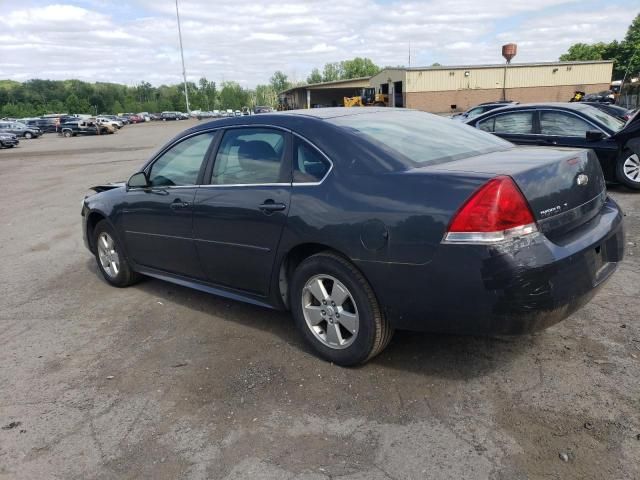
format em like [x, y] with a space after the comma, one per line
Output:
[28, 135]
[66, 134]
[112, 262]
[347, 327]
[628, 169]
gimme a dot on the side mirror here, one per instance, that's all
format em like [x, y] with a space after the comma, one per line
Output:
[138, 180]
[594, 135]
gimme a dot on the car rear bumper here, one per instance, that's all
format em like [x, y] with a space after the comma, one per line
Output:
[513, 288]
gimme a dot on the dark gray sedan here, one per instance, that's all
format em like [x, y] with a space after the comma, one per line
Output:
[360, 221]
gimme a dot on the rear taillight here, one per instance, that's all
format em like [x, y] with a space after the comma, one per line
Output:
[496, 212]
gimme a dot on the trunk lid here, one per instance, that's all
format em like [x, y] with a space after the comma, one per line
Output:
[564, 187]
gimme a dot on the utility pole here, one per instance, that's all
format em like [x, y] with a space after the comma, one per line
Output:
[184, 73]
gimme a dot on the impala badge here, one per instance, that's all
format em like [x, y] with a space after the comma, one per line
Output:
[582, 180]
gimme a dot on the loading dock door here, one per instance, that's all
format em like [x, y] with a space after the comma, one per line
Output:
[397, 94]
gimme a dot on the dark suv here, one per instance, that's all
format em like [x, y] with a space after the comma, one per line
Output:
[20, 129]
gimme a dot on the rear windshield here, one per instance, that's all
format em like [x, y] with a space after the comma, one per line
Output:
[421, 138]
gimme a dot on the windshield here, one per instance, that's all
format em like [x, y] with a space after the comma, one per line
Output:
[421, 138]
[610, 122]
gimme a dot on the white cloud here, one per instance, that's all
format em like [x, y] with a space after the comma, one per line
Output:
[247, 40]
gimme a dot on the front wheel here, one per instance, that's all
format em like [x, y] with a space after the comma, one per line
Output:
[28, 135]
[336, 310]
[111, 259]
[628, 169]
[66, 134]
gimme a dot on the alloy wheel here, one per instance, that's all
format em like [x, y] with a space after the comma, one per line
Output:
[330, 311]
[108, 255]
[631, 168]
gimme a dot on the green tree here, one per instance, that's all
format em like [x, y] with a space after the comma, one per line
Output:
[584, 52]
[233, 96]
[315, 76]
[358, 67]
[331, 72]
[625, 54]
[279, 81]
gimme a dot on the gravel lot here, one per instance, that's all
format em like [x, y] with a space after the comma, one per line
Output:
[158, 381]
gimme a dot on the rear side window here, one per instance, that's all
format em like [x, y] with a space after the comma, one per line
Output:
[249, 156]
[563, 124]
[510, 123]
[420, 138]
[309, 165]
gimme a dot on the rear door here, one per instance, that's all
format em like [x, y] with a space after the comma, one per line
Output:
[240, 214]
[515, 126]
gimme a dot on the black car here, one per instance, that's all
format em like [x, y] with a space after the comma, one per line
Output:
[19, 129]
[170, 116]
[362, 221]
[572, 125]
[621, 113]
[480, 109]
[8, 140]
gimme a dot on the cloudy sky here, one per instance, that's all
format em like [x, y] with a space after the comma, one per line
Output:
[128, 41]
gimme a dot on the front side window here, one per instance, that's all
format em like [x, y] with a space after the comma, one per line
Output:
[563, 124]
[309, 165]
[180, 165]
[249, 156]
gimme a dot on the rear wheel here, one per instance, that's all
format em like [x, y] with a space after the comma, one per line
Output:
[628, 169]
[111, 260]
[336, 310]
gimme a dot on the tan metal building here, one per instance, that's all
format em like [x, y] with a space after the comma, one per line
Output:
[327, 94]
[443, 89]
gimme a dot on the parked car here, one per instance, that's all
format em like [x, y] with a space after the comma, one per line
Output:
[45, 125]
[20, 129]
[620, 113]
[480, 109]
[82, 127]
[360, 222]
[606, 96]
[117, 124]
[8, 140]
[170, 116]
[133, 118]
[263, 109]
[576, 125]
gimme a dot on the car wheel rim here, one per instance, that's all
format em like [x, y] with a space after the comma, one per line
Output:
[631, 168]
[109, 258]
[330, 311]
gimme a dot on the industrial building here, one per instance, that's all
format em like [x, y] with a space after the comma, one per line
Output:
[441, 89]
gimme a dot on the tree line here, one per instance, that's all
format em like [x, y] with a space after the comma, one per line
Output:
[37, 97]
[625, 53]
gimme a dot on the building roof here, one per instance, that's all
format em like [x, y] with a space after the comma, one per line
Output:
[497, 65]
[357, 82]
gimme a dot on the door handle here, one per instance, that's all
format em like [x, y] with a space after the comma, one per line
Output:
[549, 142]
[269, 206]
[178, 205]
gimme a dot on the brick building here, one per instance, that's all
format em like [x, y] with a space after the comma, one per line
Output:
[446, 88]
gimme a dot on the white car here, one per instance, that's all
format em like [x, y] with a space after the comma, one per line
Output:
[114, 123]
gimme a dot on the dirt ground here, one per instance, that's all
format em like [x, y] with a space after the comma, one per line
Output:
[158, 381]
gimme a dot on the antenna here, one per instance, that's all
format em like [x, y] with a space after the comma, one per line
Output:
[409, 53]
[184, 73]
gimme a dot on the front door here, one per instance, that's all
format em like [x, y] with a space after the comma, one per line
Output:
[239, 216]
[158, 220]
[564, 129]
